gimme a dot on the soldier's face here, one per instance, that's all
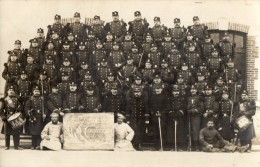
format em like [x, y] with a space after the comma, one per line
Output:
[13, 58]
[196, 22]
[109, 37]
[176, 93]
[17, 46]
[55, 90]
[50, 46]
[148, 65]
[128, 37]
[177, 24]
[115, 47]
[203, 67]
[11, 92]
[157, 80]
[73, 88]
[167, 39]
[115, 18]
[208, 92]
[138, 81]
[42, 77]
[244, 96]
[99, 45]
[81, 47]
[139, 17]
[207, 40]
[104, 63]
[96, 21]
[23, 76]
[148, 38]
[180, 80]
[154, 49]
[87, 77]
[157, 23]
[34, 44]
[184, 67]
[230, 64]
[114, 91]
[40, 34]
[164, 65]
[90, 92]
[226, 37]
[220, 82]
[134, 50]
[224, 96]
[130, 61]
[36, 92]
[55, 36]
[110, 78]
[49, 61]
[214, 54]
[84, 66]
[66, 63]
[57, 21]
[189, 37]
[77, 19]
[137, 94]
[191, 48]
[70, 37]
[201, 78]
[91, 36]
[65, 77]
[30, 60]
[193, 91]
[158, 90]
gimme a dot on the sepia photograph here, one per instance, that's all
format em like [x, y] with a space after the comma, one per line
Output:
[149, 83]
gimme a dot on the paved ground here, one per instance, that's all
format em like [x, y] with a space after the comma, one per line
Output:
[29, 158]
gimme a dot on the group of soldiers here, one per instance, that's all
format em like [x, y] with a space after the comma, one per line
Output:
[170, 79]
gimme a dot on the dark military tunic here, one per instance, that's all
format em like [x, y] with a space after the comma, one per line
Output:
[51, 71]
[178, 35]
[138, 28]
[210, 103]
[127, 46]
[90, 45]
[96, 57]
[21, 55]
[91, 103]
[71, 102]
[79, 30]
[198, 31]
[82, 55]
[114, 58]
[56, 27]
[226, 48]
[117, 29]
[69, 55]
[64, 87]
[36, 52]
[155, 58]
[24, 87]
[166, 48]
[69, 70]
[193, 60]
[215, 64]
[32, 71]
[54, 102]
[174, 59]
[207, 48]
[148, 74]
[98, 30]
[53, 53]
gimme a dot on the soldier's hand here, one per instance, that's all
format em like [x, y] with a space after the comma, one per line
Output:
[128, 122]
[205, 115]
[158, 114]
[47, 137]
[44, 116]
[210, 146]
[146, 122]
[62, 114]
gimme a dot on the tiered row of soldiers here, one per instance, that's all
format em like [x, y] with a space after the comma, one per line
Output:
[176, 74]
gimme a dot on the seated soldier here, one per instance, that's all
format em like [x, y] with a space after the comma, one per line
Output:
[52, 134]
[212, 141]
[123, 135]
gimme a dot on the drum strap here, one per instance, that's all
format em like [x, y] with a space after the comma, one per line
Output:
[10, 102]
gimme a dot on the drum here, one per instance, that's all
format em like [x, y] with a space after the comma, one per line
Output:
[243, 123]
[16, 120]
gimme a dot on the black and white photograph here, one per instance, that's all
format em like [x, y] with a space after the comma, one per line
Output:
[149, 83]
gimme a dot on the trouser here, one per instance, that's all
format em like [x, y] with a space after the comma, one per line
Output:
[36, 140]
[138, 125]
[225, 145]
[245, 142]
[16, 139]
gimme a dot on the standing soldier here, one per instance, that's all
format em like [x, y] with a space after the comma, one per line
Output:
[77, 28]
[98, 28]
[158, 31]
[190, 41]
[68, 67]
[211, 107]
[41, 39]
[138, 28]
[116, 27]
[72, 41]
[82, 70]
[127, 43]
[8, 106]
[21, 53]
[12, 70]
[50, 69]
[68, 53]
[51, 51]
[102, 72]
[225, 126]
[215, 66]
[198, 30]
[90, 101]
[56, 27]
[247, 108]
[181, 85]
[146, 46]
[116, 59]
[54, 101]
[57, 41]
[36, 51]
[148, 72]
[226, 47]
[44, 83]
[36, 110]
[157, 103]
[166, 73]
[178, 34]
[201, 84]
[207, 48]
[186, 74]
[193, 59]
[88, 81]
[137, 114]
[71, 102]
[167, 45]
[195, 109]
[138, 58]
[177, 113]
[219, 87]
[32, 69]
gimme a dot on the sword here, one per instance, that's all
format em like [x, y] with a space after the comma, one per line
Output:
[160, 130]
[175, 134]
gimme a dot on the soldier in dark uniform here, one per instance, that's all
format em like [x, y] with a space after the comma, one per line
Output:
[82, 53]
[127, 44]
[137, 114]
[36, 110]
[68, 53]
[98, 28]
[102, 72]
[97, 55]
[190, 41]
[55, 101]
[225, 126]
[174, 58]
[72, 41]
[56, 27]
[200, 84]
[167, 45]
[198, 30]
[50, 69]
[211, 107]
[158, 31]
[90, 101]
[178, 34]
[146, 46]
[36, 51]
[88, 81]
[177, 112]
[219, 87]
[195, 109]
[90, 42]
[51, 51]
[41, 39]
[108, 45]
[203, 69]
[116, 27]
[148, 72]
[44, 83]
[12, 70]
[114, 101]
[128, 70]
[68, 67]
[138, 58]
[155, 56]
[32, 69]
[77, 28]
[166, 73]
[71, 102]
[215, 66]
[157, 103]
[193, 59]
[186, 74]
[138, 28]
[110, 82]
[181, 85]
[226, 47]
[8, 106]
[207, 47]
[21, 53]
[57, 41]
[82, 70]
[247, 108]
[64, 84]
[116, 59]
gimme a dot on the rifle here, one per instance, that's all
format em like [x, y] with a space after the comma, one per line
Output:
[42, 100]
[160, 130]
[175, 134]
[189, 145]
[234, 98]
[226, 78]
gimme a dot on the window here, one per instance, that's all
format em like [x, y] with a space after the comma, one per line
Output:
[214, 37]
[239, 41]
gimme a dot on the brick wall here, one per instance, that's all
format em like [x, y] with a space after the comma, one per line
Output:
[252, 72]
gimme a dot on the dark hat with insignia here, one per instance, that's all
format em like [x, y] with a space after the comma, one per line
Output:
[99, 42]
[84, 62]
[36, 88]
[90, 32]
[66, 43]
[11, 87]
[134, 46]
[148, 34]
[199, 74]
[137, 13]
[110, 74]
[195, 18]
[12, 53]
[109, 33]
[82, 44]
[34, 40]
[70, 34]
[115, 87]
[225, 91]
[49, 57]
[18, 42]
[207, 36]
[156, 19]
[153, 45]
[43, 72]
[115, 13]
[87, 73]
[30, 55]
[129, 57]
[176, 20]
[64, 73]
[66, 59]
[54, 86]
[189, 34]
[230, 60]
[57, 17]
[157, 76]
[50, 41]
[96, 17]
[23, 72]
[137, 77]
[116, 43]
[180, 76]
[72, 84]
[164, 61]
[148, 61]
[158, 86]
[167, 34]
[208, 88]
[214, 50]
[103, 60]
[77, 14]
[244, 92]
[193, 87]
[40, 30]
[175, 88]
[184, 64]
